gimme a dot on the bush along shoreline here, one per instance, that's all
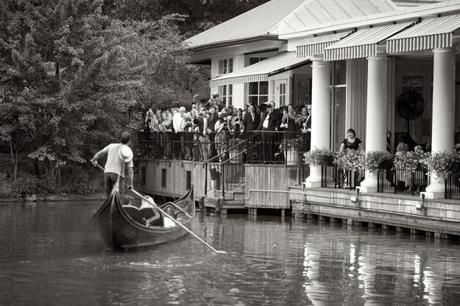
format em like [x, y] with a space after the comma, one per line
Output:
[77, 184]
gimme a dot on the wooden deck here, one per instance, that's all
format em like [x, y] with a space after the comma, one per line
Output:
[276, 187]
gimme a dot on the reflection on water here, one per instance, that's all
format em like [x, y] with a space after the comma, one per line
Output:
[51, 255]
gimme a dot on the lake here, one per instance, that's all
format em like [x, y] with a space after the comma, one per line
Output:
[51, 254]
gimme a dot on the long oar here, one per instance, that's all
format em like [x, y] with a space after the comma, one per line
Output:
[170, 217]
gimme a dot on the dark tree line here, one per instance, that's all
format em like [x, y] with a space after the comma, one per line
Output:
[201, 14]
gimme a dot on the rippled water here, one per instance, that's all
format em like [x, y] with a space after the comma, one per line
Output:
[51, 255]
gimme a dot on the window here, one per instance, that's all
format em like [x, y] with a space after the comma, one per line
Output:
[282, 94]
[188, 179]
[253, 60]
[338, 101]
[258, 93]
[226, 66]
[226, 92]
[163, 178]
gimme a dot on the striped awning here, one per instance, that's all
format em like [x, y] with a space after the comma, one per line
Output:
[429, 34]
[362, 43]
[315, 45]
[262, 70]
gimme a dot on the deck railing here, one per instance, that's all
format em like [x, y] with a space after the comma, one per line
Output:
[272, 147]
[402, 181]
[452, 187]
[335, 177]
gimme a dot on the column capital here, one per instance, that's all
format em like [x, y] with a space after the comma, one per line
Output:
[443, 50]
[318, 62]
[378, 57]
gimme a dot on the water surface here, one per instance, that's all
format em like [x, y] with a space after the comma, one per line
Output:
[51, 254]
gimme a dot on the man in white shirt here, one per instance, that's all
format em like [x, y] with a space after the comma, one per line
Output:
[119, 162]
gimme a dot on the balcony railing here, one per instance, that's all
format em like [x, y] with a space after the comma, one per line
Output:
[402, 181]
[452, 189]
[269, 147]
[335, 177]
[273, 147]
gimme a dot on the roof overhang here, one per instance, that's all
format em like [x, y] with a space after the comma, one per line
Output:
[228, 43]
[435, 10]
[262, 70]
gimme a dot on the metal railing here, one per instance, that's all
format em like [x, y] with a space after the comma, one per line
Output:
[338, 178]
[402, 181]
[452, 185]
[269, 147]
[226, 169]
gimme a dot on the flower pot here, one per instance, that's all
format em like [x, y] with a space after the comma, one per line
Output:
[325, 160]
[386, 164]
[234, 157]
[292, 157]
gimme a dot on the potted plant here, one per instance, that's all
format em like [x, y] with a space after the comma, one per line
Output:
[291, 148]
[410, 161]
[441, 163]
[376, 160]
[319, 156]
[235, 150]
[351, 160]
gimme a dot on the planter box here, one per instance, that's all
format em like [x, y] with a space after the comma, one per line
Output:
[292, 157]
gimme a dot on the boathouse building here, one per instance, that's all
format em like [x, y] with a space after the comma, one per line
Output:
[384, 68]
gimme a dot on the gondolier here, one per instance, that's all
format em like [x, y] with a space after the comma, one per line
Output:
[119, 162]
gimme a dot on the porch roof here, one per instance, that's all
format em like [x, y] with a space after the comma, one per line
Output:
[314, 45]
[362, 43]
[262, 70]
[429, 34]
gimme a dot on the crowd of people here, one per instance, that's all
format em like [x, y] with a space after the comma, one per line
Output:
[207, 129]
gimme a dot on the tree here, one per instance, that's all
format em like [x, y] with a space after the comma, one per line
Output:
[74, 78]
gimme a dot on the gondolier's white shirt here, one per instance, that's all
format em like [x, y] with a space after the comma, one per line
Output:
[115, 161]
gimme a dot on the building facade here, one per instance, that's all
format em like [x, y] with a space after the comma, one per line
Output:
[379, 67]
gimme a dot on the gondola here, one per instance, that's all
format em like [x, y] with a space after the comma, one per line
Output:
[125, 227]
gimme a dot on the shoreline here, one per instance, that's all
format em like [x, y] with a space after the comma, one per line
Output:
[100, 196]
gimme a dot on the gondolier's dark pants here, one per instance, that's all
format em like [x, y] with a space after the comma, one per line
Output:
[110, 180]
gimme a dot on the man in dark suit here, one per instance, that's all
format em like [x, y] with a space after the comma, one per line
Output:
[251, 119]
[211, 131]
[270, 125]
[306, 128]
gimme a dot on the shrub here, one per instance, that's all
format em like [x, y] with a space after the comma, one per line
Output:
[410, 161]
[319, 156]
[350, 160]
[378, 160]
[441, 163]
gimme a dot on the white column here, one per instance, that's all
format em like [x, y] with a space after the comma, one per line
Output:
[376, 113]
[320, 119]
[443, 118]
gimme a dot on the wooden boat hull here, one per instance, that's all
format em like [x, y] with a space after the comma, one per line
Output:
[120, 231]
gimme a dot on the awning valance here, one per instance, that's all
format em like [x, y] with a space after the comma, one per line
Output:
[429, 34]
[315, 45]
[362, 43]
[262, 70]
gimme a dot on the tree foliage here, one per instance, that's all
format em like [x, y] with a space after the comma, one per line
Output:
[72, 78]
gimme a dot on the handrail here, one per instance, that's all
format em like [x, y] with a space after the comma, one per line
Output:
[221, 164]
[230, 149]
